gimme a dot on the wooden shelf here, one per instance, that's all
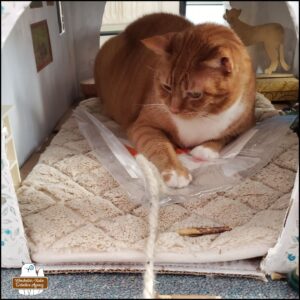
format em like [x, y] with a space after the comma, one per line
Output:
[5, 109]
[8, 139]
[12, 164]
[10, 145]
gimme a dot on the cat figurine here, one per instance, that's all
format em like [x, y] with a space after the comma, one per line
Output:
[170, 83]
[270, 34]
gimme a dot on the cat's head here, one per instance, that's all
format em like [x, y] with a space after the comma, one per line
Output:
[232, 14]
[196, 68]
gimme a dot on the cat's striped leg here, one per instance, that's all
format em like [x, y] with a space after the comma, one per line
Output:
[154, 144]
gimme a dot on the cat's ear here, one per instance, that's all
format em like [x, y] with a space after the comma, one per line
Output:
[224, 63]
[159, 44]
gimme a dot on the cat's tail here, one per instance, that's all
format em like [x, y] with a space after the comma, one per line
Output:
[284, 65]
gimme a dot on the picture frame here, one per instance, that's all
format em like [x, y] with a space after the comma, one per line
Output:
[41, 44]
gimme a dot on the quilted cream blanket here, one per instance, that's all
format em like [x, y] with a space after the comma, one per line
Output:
[75, 212]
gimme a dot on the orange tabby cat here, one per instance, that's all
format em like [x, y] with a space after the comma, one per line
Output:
[169, 82]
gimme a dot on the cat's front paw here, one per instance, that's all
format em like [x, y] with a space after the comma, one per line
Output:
[176, 178]
[204, 153]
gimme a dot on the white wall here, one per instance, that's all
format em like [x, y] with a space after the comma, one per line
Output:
[40, 99]
[86, 22]
[294, 12]
[261, 12]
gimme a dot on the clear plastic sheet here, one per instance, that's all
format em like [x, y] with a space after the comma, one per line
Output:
[242, 158]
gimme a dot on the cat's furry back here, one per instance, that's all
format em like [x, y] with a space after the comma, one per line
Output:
[169, 82]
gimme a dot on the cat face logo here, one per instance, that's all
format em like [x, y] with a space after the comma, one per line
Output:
[30, 281]
[30, 268]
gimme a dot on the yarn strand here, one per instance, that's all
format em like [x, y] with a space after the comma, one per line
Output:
[153, 188]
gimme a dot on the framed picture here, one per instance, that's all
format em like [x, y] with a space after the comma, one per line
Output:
[50, 3]
[36, 4]
[41, 44]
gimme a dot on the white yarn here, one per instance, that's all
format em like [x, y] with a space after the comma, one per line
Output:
[154, 186]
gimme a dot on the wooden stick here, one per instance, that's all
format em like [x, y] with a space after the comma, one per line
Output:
[177, 296]
[197, 231]
[277, 276]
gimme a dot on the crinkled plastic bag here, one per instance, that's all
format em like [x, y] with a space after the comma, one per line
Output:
[240, 159]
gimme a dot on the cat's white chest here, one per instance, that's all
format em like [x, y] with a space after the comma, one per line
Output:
[192, 132]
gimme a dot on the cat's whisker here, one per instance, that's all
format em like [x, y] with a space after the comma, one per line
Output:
[154, 104]
[150, 68]
[190, 114]
[206, 117]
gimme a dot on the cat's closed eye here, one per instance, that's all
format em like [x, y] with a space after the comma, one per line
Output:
[166, 87]
[195, 95]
